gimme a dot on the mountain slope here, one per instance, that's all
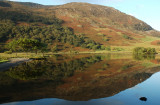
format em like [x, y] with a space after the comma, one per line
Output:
[91, 26]
[105, 25]
[101, 15]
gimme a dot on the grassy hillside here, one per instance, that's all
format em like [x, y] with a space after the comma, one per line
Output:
[74, 26]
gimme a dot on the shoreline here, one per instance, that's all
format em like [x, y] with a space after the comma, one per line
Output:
[12, 62]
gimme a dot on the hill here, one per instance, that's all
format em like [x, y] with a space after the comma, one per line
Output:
[74, 26]
[103, 24]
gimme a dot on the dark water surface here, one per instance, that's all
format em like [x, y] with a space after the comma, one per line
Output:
[110, 79]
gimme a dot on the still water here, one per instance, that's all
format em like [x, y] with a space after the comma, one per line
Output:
[107, 79]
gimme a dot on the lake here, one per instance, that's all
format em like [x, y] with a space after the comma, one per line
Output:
[104, 79]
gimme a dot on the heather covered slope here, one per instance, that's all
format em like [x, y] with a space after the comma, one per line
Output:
[77, 26]
[103, 24]
[101, 16]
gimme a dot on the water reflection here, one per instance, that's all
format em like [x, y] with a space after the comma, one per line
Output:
[144, 56]
[74, 78]
[48, 69]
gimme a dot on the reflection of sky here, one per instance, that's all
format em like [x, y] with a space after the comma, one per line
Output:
[149, 88]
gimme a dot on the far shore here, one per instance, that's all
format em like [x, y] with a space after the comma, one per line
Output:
[16, 58]
[40, 55]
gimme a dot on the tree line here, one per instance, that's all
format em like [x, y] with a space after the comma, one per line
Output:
[49, 34]
[25, 45]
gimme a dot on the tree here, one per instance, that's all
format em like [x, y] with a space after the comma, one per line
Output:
[29, 44]
[142, 50]
[26, 45]
[36, 45]
[13, 46]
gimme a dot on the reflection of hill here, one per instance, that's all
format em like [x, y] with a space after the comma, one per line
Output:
[156, 61]
[103, 87]
[100, 84]
[99, 78]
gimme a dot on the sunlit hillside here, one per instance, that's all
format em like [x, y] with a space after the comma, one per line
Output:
[75, 27]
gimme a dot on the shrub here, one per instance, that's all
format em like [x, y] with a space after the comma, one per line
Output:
[142, 50]
[108, 48]
[102, 47]
[127, 37]
[118, 49]
[101, 34]
[106, 39]
[8, 52]
[2, 61]
[126, 66]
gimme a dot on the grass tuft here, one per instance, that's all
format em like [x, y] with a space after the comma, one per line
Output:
[2, 61]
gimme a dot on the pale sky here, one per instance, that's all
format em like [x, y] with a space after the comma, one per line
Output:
[145, 10]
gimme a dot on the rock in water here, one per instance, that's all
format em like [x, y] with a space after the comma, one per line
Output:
[143, 99]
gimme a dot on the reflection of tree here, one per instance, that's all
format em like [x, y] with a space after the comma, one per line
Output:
[144, 56]
[6, 80]
[45, 69]
[27, 70]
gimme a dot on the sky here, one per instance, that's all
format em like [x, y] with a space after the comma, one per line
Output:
[145, 10]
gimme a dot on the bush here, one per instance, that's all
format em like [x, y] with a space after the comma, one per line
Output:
[106, 39]
[2, 61]
[102, 47]
[127, 37]
[8, 52]
[108, 48]
[126, 66]
[118, 49]
[142, 50]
